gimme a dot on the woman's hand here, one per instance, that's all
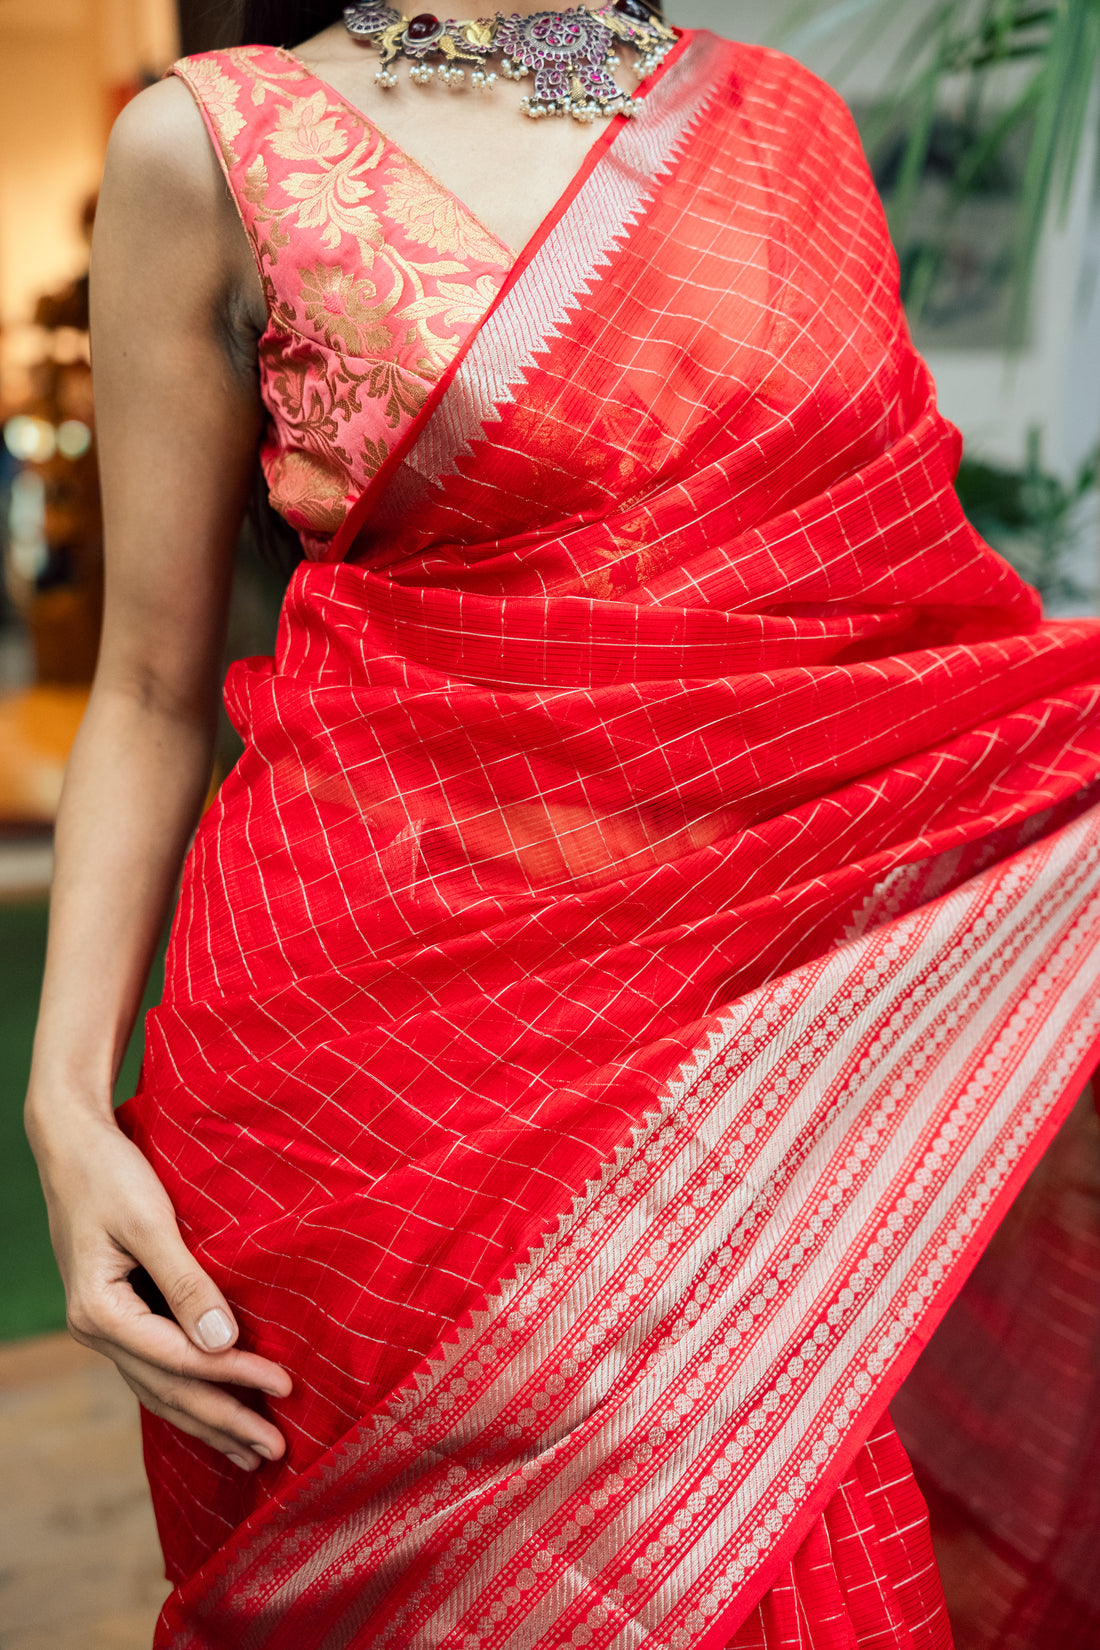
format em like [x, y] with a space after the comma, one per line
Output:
[109, 1214]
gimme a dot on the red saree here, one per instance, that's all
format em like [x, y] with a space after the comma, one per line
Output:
[639, 955]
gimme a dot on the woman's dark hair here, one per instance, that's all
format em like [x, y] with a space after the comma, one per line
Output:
[283, 22]
[209, 25]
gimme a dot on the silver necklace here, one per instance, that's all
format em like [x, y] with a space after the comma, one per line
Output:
[570, 53]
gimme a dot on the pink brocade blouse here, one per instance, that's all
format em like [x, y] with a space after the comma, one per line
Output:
[374, 275]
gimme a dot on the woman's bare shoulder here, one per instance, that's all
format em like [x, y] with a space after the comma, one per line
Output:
[161, 155]
[164, 201]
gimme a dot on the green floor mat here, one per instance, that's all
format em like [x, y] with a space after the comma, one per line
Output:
[31, 1298]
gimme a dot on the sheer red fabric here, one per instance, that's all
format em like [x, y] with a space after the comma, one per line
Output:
[866, 1577]
[1002, 1415]
[634, 963]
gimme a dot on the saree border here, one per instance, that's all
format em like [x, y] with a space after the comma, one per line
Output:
[960, 1021]
[584, 233]
[716, 1638]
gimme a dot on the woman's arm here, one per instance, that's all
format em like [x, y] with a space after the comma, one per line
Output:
[176, 303]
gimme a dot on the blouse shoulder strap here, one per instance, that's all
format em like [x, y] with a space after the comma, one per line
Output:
[241, 92]
[266, 115]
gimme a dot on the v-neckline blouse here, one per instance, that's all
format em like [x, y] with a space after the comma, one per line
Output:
[337, 96]
[612, 127]
[375, 273]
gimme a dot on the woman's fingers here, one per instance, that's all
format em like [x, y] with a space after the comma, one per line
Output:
[193, 1298]
[129, 1326]
[107, 1313]
[210, 1425]
[184, 1385]
[121, 1253]
[207, 1410]
[129, 1323]
[140, 1223]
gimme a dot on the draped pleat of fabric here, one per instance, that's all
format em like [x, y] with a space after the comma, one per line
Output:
[644, 946]
[865, 1575]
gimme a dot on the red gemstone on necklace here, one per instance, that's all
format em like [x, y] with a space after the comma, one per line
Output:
[421, 27]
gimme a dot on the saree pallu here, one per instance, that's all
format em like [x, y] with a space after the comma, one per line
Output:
[646, 943]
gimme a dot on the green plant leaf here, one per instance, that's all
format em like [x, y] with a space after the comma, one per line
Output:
[980, 45]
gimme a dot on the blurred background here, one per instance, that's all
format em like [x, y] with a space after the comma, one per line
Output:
[980, 118]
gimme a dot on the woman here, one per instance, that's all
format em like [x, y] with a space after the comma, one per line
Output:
[637, 958]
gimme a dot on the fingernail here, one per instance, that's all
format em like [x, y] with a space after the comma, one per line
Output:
[239, 1461]
[214, 1330]
[262, 1449]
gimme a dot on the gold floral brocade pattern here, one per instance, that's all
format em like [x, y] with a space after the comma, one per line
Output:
[374, 276]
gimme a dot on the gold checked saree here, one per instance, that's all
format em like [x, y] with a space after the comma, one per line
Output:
[650, 937]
